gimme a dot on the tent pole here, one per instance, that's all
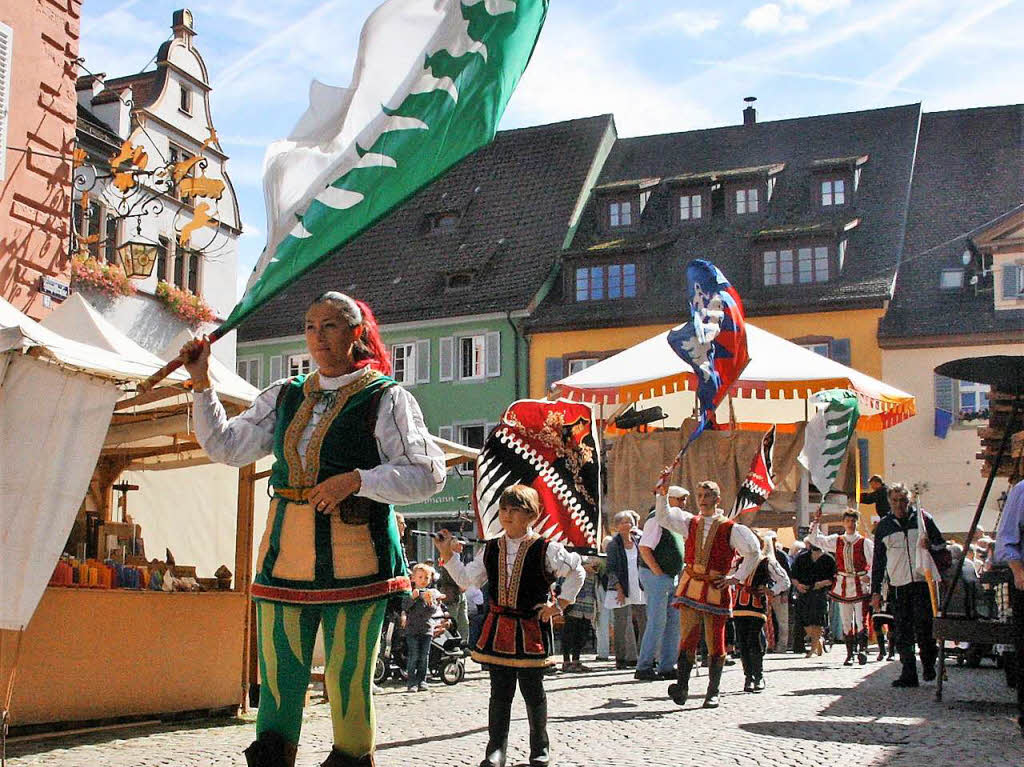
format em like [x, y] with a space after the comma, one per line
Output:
[243, 563]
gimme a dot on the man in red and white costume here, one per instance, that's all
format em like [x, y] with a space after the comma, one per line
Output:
[712, 544]
[852, 587]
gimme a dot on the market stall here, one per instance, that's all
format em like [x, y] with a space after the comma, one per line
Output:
[124, 631]
[776, 387]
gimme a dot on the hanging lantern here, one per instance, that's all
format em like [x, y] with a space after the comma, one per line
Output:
[137, 258]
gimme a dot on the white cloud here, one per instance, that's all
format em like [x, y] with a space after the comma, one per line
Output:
[690, 23]
[251, 230]
[121, 43]
[816, 7]
[567, 79]
[771, 18]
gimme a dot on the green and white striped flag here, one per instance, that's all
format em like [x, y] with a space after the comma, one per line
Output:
[430, 84]
[828, 435]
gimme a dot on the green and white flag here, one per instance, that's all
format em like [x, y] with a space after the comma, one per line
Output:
[828, 435]
[430, 83]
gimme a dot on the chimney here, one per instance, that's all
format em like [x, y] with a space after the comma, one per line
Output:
[749, 113]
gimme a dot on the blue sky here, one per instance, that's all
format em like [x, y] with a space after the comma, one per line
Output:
[657, 65]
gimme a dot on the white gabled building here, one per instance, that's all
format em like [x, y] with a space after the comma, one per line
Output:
[166, 112]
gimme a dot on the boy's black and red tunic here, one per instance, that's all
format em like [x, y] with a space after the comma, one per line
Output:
[512, 634]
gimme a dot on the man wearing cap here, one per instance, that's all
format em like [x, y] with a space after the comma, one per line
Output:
[712, 544]
[1010, 550]
[661, 561]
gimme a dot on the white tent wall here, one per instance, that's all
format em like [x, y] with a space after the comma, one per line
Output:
[193, 512]
[46, 461]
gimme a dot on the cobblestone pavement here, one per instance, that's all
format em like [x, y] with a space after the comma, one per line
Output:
[814, 712]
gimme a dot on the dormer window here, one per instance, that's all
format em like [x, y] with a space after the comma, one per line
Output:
[607, 281]
[746, 200]
[441, 223]
[622, 203]
[458, 281]
[800, 265]
[833, 192]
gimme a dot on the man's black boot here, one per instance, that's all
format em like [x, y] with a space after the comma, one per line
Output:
[680, 690]
[851, 648]
[880, 634]
[338, 759]
[498, 714]
[714, 682]
[908, 676]
[540, 747]
[862, 647]
[270, 749]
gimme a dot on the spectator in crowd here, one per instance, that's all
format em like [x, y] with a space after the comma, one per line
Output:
[602, 615]
[877, 495]
[897, 539]
[661, 561]
[577, 627]
[780, 602]
[625, 596]
[420, 613]
[455, 601]
[1010, 551]
[797, 634]
[813, 573]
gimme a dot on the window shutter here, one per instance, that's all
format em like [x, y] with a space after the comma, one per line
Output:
[423, 361]
[446, 432]
[944, 394]
[864, 449]
[275, 368]
[554, 368]
[839, 350]
[1011, 277]
[6, 41]
[446, 362]
[492, 347]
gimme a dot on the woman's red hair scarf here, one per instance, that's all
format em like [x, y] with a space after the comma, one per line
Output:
[378, 357]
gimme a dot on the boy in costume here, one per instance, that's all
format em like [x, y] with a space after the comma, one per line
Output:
[852, 587]
[519, 568]
[705, 592]
[750, 613]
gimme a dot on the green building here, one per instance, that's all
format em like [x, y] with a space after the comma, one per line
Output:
[452, 275]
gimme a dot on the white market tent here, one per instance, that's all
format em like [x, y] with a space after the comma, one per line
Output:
[774, 388]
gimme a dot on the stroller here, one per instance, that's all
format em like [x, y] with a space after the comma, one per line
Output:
[445, 661]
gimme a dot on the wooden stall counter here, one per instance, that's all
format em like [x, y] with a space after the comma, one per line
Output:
[91, 654]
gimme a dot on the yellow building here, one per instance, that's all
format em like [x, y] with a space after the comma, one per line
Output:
[805, 217]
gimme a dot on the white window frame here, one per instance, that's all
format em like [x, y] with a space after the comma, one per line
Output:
[408, 376]
[185, 99]
[580, 363]
[823, 349]
[747, 201]
[479, 351]
[691, 207]
[830, 193]
[249, 362]
[6, 62]
[295, 361]
[961, 388]
[620, 213]
[466, 469]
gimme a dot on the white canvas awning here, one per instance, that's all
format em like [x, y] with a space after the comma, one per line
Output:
[774, 388]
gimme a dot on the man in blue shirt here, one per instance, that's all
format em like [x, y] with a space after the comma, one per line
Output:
[1010, 550]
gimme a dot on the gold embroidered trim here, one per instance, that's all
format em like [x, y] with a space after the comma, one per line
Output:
[704, 553]
[306, 477]
[508, 586]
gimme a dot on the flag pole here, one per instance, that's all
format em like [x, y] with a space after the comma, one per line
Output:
[174, 364]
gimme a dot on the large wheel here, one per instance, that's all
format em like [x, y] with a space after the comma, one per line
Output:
[453, 672]
[381, 669]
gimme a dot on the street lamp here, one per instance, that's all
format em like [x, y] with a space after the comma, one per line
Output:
[137, 258]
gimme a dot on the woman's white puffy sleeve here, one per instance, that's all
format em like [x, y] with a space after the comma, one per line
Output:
[240, 440]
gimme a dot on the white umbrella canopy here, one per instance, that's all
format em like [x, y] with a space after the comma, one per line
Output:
[774, 388]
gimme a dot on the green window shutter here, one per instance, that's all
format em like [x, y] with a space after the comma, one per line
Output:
[423, 361]
[554, 368]
[446, 359]
[839, 350]
[492, 348]
[1011, 281]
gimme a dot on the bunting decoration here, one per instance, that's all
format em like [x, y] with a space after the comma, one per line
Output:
[759, 482]
[554, 448]
[828, 435]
